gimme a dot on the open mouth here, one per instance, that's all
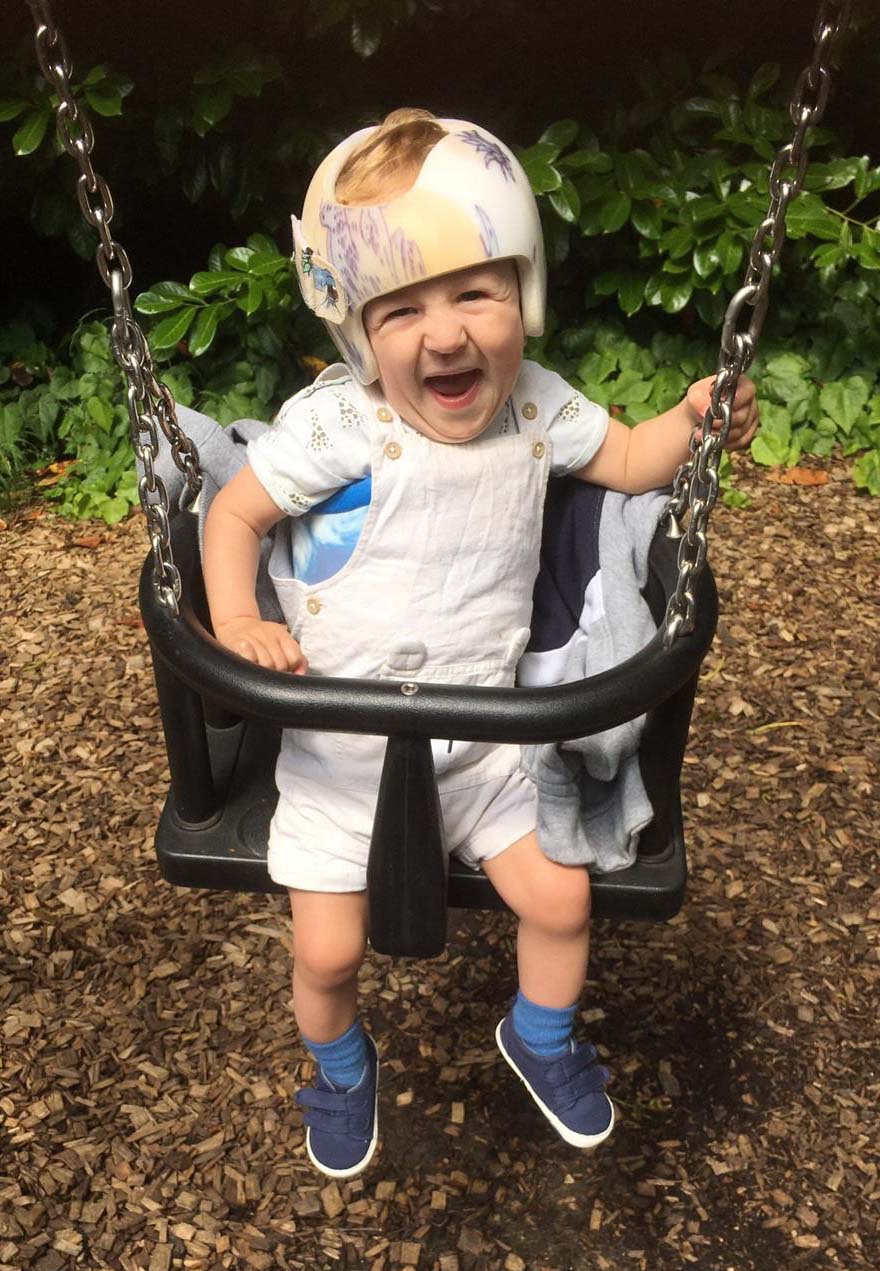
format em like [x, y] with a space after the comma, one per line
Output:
[456, 390]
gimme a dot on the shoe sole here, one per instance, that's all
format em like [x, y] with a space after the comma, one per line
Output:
[360, 1165]
[586, 1141]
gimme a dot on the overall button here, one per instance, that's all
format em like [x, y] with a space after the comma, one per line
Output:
[538, 449]
[313, 604]
[529, 410]
[392, 450]
[384, 415]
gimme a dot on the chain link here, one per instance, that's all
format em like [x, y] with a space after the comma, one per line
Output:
[150, 404]
[695, 487]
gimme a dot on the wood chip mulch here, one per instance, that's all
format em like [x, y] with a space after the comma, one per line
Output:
[149, 1056]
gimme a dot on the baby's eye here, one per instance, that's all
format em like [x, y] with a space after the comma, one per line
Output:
[398, 313]
[472, 295]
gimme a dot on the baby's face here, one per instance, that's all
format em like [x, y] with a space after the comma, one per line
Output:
[449, 349]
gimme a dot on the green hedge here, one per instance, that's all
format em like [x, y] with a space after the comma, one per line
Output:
[648, 214]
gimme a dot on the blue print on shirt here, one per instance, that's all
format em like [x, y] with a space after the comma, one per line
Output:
[324, 539]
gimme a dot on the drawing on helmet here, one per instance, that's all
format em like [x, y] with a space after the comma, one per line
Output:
[490, 150]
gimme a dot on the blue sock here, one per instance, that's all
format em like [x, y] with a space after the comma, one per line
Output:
[343, 1060]
[545, 1029]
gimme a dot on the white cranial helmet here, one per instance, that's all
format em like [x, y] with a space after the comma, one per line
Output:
[470, 203]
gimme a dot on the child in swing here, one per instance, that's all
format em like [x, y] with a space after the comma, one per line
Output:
[420, 246]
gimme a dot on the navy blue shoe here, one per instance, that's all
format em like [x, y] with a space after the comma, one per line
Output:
[569, 1089]
[342, 1126]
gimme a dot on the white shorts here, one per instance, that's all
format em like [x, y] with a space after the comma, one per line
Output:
[319, 839]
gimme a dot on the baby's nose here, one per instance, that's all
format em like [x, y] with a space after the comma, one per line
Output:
[444, 332]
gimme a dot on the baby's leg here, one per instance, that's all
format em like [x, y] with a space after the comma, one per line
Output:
[552, 902]
[329, 942]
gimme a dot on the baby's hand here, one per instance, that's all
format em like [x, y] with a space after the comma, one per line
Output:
[268, 644]
[744, 417]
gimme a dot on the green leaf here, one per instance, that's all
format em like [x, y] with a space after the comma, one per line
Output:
[702, 106]
[194, 180]
[633, 392]
[614, 212]
[11, 108]
[537, 163]
[835, 175]
[212, 105]
[151, 302]
[587, 161]
[703, 209]
[675, 293]
[785, 378]
[173, 328]
[206, 282]
[772, 445]
[764, 77]
[28, 137]
[262, 243]
[730, 251]
[829, 256]
[597, 366]
[206, 327]
[634, 173]
[845, 399]
[557, 241]
[808, 216]
[631, 294]
[566, 201]
[749, 207]
[867, 251]
[253, 298]
[646, 220]
[606, 284]
[105, 101]
[115, 509]
[266, 263]
[669, 386]
[239, 258]
[866, 472]
[706, 258]
[560, 134]
[677, 241]
[101, 412]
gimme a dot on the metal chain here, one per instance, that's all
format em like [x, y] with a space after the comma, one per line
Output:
[695, 486]
[150, 404]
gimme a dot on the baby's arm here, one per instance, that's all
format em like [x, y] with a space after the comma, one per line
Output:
[241, 514]
[634, 460]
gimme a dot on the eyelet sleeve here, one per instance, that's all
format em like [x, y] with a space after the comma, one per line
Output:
[320, 442]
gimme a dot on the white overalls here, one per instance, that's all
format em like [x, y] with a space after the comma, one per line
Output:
[439, 589]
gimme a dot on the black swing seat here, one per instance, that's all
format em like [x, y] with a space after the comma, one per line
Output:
[222, 717]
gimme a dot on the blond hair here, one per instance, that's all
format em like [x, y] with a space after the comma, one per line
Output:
[389, 161]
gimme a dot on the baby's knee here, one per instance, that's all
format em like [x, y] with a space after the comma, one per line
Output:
[562, 905]
[328, 960]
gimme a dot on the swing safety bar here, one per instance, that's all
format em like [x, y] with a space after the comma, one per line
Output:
[409, 708]
[222, 717]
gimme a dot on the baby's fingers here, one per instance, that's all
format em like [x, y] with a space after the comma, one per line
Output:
[257, 650]
[291, 654]
[279, 651]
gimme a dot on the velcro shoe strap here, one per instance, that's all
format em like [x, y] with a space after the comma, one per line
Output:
[578, 1074]
[335, 1113]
